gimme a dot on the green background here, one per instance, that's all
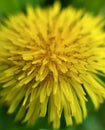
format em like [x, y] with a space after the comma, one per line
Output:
[95, 119]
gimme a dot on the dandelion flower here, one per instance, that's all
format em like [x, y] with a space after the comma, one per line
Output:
[50, 60]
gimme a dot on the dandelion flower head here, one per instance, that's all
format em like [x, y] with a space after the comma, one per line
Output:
[50, 60]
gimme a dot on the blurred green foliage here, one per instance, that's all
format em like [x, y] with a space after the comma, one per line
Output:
[13, 6]
[95, 120]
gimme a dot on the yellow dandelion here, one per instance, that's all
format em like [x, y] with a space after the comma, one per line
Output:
[50, 60]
